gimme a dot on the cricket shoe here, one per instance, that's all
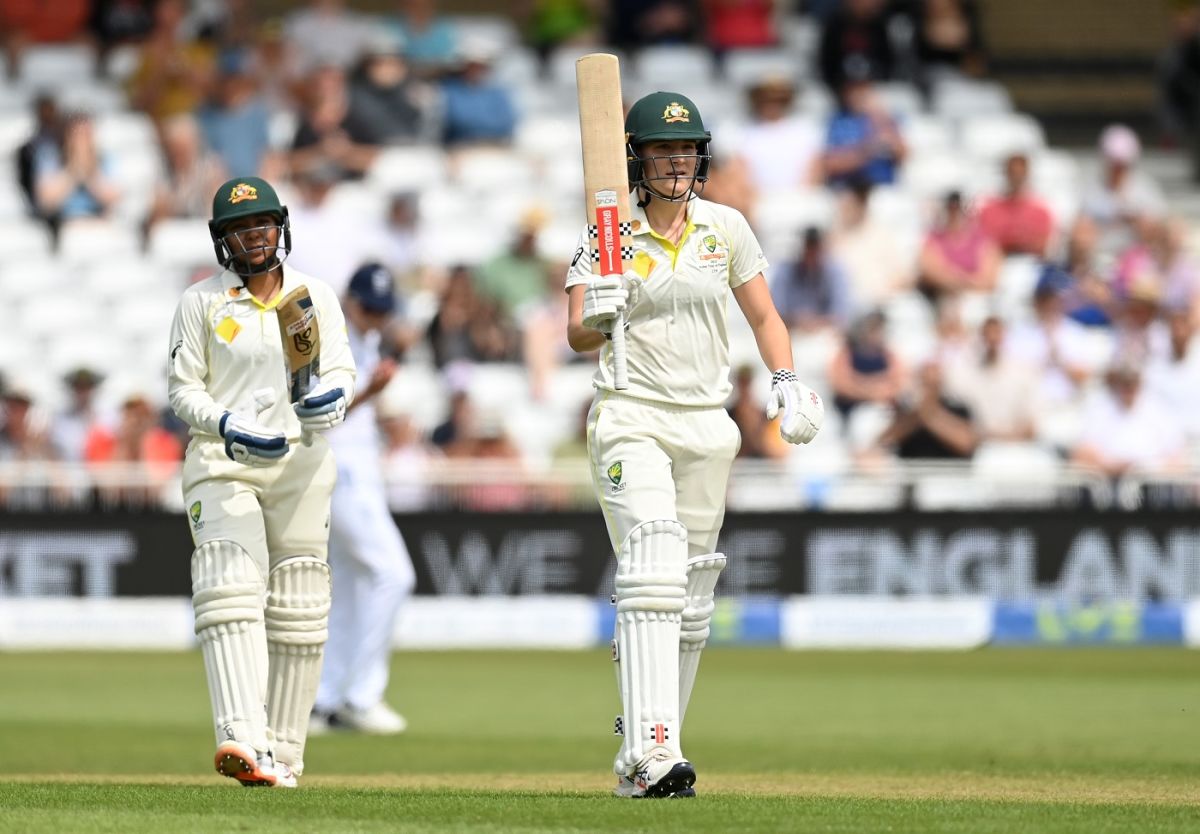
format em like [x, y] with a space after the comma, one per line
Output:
[627, 788]
[377, 720]
[661, 776]
[242, 762]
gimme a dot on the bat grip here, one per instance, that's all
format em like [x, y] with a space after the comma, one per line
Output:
[620, 371]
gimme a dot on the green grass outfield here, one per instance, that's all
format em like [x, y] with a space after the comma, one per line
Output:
[1000, 740]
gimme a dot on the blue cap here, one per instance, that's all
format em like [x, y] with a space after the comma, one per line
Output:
[1053, 280]
[373, 287]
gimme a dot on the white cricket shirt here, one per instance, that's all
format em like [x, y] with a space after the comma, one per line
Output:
[677, 344]
[356, 442]
[225, 348]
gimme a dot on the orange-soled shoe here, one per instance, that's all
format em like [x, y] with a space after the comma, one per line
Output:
[241, 761]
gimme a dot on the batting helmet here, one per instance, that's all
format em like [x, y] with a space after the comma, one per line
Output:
[665, 116]
[246, 197]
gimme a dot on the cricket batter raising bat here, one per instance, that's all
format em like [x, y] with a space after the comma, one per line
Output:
[661, 449]
[257, 479]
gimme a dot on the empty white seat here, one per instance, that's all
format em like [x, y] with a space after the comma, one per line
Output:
[961, 99]
[900, 98]
[126, 131]
[48, 317]
[15, 130]
[22, 240]
[57, 65]
[498, 32]
[744, 67]
[484, 171]
[398, 170]
[560, 63]
[516, 67]
[996, 135]
[925, 134]
[35, 274]
[181, 242]
[90, 241]
[94, 97]
[549, 136]
[931, 175]
[416, 390]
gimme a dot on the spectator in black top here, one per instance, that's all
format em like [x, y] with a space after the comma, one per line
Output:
[47, 135]
[947, 37]
[637, 23]
[855, 42]
[931, 425]
[388, 104]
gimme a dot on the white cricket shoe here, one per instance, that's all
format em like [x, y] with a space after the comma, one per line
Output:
[242, 762]
[660, 776]
[377, 720]
[285, 776]
[627, 788]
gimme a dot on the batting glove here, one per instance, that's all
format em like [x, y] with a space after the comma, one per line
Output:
[250, 443]
[803, 411]
[607, 297]
[320, 410]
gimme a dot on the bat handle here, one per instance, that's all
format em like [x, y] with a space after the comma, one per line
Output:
[620, 370]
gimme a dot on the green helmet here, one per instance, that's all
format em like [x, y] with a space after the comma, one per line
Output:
[664, 116]
[246, 197]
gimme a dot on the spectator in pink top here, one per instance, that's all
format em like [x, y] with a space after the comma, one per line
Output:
[957, 254]
[1018, 221]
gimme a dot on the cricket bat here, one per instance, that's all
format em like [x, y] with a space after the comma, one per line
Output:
[301, 342]
[605, 179]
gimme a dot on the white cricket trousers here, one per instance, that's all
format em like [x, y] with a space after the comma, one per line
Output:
[651, 460]
[372, 576]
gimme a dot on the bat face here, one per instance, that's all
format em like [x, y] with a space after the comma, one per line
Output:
[301, 337]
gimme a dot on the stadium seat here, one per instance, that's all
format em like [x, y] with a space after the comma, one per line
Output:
[671, 65]
[91, 241]
[497, 31]
[181, 243]
[493, 170]
[560, 64]
[117, 279]
[122, 61]
[417, 390]
[22, 240]
[901, 99]
[781, 216]
[14, 205]
[15, 130]
[517, 68]
[56, 66]
[126, 131]
[960, 99]
[47, 317]
[926, 134]
[94, 97]
[744, 67]
[930, 175]
[549, 136]
[991, 137]
[399, 170]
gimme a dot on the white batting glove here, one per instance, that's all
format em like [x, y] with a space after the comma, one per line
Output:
[250, 443]
[607, 297]
[320, 410]
[803, 411]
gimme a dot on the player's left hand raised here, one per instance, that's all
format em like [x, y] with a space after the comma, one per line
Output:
[607, 297]
[320, 410]
[803, 411]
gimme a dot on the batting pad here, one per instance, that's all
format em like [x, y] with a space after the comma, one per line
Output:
[650, 598]
[297, 621]
[699, 602]
[227, 596]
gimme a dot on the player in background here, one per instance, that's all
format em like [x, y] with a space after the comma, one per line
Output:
[372, 571]
[661, 450]
[257, 496]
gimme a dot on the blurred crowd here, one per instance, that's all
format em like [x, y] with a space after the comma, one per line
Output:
[936, 315]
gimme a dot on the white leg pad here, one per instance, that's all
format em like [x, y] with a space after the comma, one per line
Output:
[650, 584]
[227, 597]
[297, 622]
[699, 602]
